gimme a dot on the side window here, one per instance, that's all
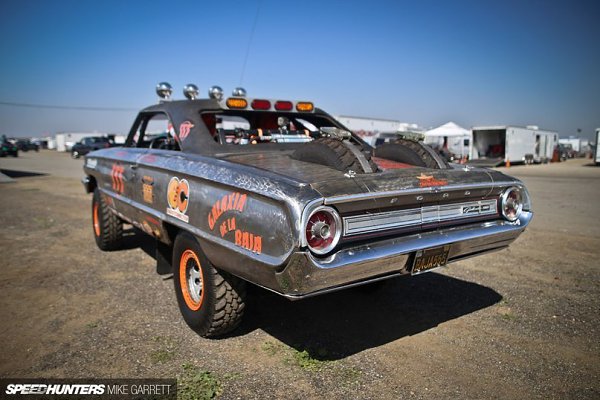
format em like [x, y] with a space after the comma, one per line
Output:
[154, 131]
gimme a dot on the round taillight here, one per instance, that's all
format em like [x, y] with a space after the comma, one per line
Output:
[323, 230]
[512, 203]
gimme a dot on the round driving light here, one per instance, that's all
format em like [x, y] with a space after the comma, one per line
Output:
[215, 92]
[239, 92]
[323, 230]
[190, 91]
[164, 90]
[512, 203]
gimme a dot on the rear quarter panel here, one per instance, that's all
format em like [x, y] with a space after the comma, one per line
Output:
[246, 220]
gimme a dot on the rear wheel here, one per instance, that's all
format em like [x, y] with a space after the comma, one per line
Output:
[107, 227]
[412, 153]
[211, 302]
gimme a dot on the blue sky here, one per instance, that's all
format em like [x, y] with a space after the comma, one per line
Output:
[426, 62]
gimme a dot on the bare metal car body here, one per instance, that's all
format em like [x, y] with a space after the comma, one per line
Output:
[248, 205]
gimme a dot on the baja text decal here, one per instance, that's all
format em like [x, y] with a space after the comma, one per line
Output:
[232, 201]
[178, 198]
[227, 226]
[249, 241]
[117, 178]
[429, 181]
[184, 129]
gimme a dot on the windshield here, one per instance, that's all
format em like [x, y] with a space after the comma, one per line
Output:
[244, 127]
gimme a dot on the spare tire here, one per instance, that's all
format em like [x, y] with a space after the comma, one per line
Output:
[336, 154]
[412, 153]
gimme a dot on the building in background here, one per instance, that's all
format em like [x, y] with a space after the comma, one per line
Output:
[370, 128]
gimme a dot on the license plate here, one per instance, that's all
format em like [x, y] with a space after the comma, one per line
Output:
[428, 259]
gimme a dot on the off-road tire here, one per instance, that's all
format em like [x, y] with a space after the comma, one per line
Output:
[409, 152]
[106, 226]
[333, 153]
[221, 300]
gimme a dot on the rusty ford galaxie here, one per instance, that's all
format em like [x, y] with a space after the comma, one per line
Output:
[279, 194]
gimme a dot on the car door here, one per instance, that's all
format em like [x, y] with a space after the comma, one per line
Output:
[145, 142]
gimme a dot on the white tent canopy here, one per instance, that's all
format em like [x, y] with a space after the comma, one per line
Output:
[448, 129]
[451, 136]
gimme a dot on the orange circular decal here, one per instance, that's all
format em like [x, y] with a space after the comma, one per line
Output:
[183, 195]
[172, 192]
[178, 194]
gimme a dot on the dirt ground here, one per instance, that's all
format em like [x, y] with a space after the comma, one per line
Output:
[517, 324]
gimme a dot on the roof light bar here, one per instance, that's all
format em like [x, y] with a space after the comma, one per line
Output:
[259, 104]
[236, 102]
[190, 91]
[304, 106]
[283, 105]
[215, 92]
[164, 90]
[239, 92]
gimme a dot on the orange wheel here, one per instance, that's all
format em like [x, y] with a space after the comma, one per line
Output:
[96, 219]
[191, 280]
[211, 301]
[107, 226]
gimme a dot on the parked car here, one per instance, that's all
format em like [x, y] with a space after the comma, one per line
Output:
[9, 149]
[280, 194]
[88, 144]
[26, 145]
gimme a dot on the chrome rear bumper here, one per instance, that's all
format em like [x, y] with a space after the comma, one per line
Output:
[306, 275]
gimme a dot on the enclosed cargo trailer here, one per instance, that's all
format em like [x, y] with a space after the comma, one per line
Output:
[496, 145]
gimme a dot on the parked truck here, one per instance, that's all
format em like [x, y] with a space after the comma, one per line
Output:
[495, 145]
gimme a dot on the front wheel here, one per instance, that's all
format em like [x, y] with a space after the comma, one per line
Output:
[75, 154]
[211, 302]
[108, 228]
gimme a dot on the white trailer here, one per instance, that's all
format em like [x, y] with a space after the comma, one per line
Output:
[495, 145]
[597, 152]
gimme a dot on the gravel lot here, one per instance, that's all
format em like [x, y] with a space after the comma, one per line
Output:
[518, 324]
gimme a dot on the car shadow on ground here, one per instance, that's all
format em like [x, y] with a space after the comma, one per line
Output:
[20, 174]
[336, 325]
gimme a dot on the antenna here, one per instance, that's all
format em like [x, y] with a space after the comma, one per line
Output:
[250, 42]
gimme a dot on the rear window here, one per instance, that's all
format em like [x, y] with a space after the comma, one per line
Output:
[243, 127]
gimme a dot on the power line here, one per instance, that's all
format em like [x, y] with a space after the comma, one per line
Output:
[56, 107]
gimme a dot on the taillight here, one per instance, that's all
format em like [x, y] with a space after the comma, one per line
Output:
[323, 230]
[512, 204]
